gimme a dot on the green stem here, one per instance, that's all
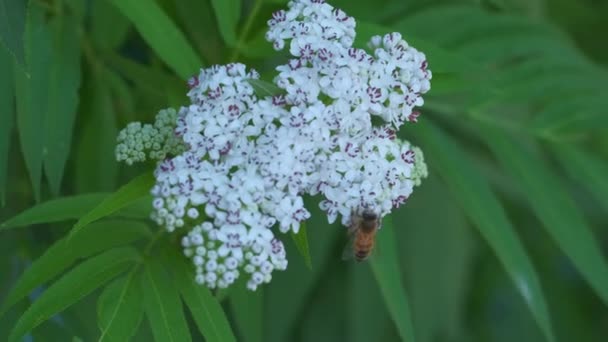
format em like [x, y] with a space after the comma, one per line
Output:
[246, 28]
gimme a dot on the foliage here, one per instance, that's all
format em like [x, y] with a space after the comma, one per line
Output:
[504, 241]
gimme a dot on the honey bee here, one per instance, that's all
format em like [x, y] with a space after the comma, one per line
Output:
[362, 232]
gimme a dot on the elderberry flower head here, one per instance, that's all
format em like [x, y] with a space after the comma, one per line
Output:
[232, 165]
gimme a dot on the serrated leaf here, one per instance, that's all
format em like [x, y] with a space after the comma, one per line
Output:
[301, 240]
[71, 208]
[7, 116]
[386, 270]
[73, 286]
[98, 237]
[120, 308]
[162, 35]
[206, 310]
[63, 97]
[227, 13]
[128, 194]
[12, 27]
[32, 94]
[486, 212]
[554, 207]
[163, 305]
[263, 88]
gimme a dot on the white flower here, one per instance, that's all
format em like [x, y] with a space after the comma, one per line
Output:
[231, 165]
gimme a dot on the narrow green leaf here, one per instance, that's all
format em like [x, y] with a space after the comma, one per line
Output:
[120, 308]
[108, 36]
[301, 241]
[263, 88]
[162, 35]
[386, 269]
[98, 237]
[248, 309]
[206, 310]
[553, 206]
[72, 208]
[585, 168]
[63, 97]
[55, 210]
[227, 13]
[199, 23]
[129, 193]
[73, 286]
[163, 305]
[485, 210]
[12, 28]
[7, 116]
[97, 137]
[32, 94]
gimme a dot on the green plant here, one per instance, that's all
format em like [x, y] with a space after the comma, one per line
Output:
[513, 132]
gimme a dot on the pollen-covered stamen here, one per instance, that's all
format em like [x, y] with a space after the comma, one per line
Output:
[324, 54]
[295, 64]
[215, 94]
[234, 110]
[233, 217]
[351, 150]
[413, 117]
[306, 52]
[397, 202]
[297, 120]
[193, 82]
[408, 156]
[279, 100]
[375, 94]
[224, 150]
[233, 240]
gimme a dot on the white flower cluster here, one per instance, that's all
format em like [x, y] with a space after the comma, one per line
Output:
[232, 165]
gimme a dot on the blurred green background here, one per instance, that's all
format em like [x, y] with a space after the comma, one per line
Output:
[505, 241]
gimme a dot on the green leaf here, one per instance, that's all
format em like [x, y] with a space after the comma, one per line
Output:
[120, 308]
[12, 27]
[553, 206]
[108, 36]
[199, 23]
[129, 193]
[97, 137]
[73, 286]
[485, 210]
[386, 269]
[163, 305]
[32, 94]
[585, 168]
[263, 88]
[301, 240]
[98, 237]
[63, 97]
[227, 13]
[248, 309]
[206, 310]
[162, 35]
[7, 116]
[71, 208]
